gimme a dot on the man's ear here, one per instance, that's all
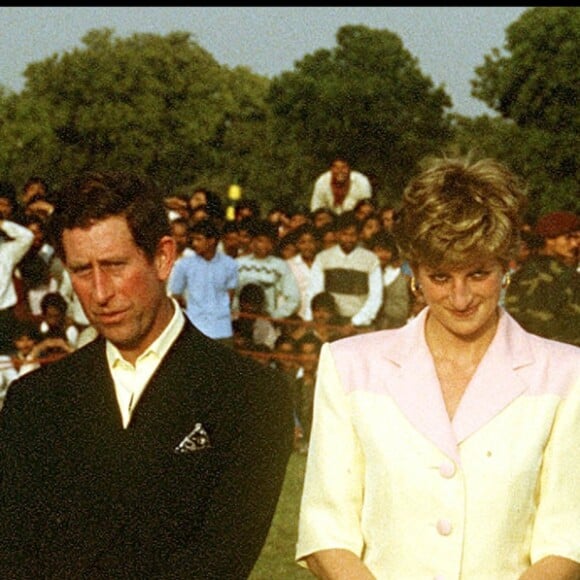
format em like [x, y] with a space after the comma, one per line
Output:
[165, 257]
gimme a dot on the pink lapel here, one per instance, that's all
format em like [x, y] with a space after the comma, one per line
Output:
[415, 388]
[496, 382]
[417, 393]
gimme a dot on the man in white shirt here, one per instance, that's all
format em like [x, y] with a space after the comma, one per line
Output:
[340, 188]
[15, 241]
[352, 274]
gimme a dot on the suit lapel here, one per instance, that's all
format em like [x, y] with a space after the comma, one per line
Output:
[496, 382]
[417, 391]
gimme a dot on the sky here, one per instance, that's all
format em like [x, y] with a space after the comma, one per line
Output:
[449, 43]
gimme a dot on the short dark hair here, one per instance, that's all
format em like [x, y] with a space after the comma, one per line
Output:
[264, 228]
[387, 241]
[54, 299]
[206, 228]
[95, 196]
[346, 220]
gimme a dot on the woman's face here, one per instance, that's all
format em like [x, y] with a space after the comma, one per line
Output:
[463, 301]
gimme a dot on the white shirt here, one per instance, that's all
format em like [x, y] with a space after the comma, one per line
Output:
[11, 252]
[130, 381]
[360, 188]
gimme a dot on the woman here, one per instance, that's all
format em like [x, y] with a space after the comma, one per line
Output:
[448, 448]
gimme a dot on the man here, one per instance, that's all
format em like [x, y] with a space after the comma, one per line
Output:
[153, 451]
[15, 241]
[544, 293]
[352, 274]
[204, 283]
[340, 188]
[269, 271]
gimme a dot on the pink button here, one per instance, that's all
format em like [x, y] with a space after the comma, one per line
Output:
[447, 469]
[444, 527]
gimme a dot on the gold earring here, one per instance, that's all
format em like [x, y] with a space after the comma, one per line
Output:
[507, 278]
[414, 286]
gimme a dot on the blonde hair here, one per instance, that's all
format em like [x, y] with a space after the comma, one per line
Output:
[457, 211]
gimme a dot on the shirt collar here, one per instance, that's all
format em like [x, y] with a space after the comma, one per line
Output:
[159, 346]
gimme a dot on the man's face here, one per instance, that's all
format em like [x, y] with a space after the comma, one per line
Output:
[307, 246]
[340, 171]
[204, 247]
[262, 246]
[564, 248]
[6, 208]
[122, 292]
[347, 239]
[180, 235]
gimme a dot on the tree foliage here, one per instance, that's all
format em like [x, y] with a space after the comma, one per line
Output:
[162, 105]
[536, 87]
[368, 99]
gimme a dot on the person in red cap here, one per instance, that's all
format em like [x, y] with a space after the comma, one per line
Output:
[544, 294]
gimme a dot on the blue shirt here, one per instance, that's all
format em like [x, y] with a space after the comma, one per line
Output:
[205, 285]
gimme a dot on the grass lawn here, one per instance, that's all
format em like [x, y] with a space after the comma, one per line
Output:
[276, 561]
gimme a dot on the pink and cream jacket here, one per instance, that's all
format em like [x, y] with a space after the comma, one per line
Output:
[417, 496]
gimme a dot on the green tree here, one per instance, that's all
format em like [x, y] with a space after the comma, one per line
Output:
[534, 86]
[366, 98]
[161, 105]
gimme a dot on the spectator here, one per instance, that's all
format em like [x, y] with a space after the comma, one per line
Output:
[286, 360]
[326, 236]
[364, 209]
[247, 208]
[36, 198]
[21, 359]
[370, 226]
[204, 283]
[387, 215]
[322, 217]
[340, 188]
[15, 241]
[544, 293]
[40, 270]
[308, 348]
[269, 271]
[350, 273]
[55, 324]
[396, 307]
[286, 246]
[328, 324]
[245, 228]
[252, 326]
[229, 242]
[301, 264]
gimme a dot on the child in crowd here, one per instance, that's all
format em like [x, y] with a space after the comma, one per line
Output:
[252, 327]
[396, 307]
[21, 359]
[270, 272]
[56, 325]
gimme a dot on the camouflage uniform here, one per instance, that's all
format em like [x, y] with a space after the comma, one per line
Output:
[544, 297]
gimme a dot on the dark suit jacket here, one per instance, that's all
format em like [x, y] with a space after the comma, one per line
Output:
[81, 497]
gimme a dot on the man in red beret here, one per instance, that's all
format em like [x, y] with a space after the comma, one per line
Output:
[544, 294]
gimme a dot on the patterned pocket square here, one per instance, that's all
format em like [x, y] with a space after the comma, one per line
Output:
[196, 440]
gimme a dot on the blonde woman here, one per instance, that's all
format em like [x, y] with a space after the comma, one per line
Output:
[449, 448]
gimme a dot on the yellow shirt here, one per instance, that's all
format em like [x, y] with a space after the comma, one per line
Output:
[130, 381]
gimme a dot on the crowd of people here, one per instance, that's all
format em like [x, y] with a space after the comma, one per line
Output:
[279, 285]
[330, 270]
